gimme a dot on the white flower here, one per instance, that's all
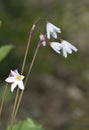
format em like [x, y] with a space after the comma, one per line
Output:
[67, 48]
[56, 46]
[52, 30]
[16, 79]
[42, 38]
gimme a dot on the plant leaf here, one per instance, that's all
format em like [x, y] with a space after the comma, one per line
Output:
[27, 125]
[4, 50]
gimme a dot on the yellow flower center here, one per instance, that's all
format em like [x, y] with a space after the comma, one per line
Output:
[18, 77]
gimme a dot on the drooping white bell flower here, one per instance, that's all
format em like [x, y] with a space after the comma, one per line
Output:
[52, 30]
[67, 48]
[56, 46]
[16, 79]
[42, 38]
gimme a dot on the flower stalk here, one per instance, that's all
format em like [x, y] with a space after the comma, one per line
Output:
[23, 65]
[3, 98]
[27, 76]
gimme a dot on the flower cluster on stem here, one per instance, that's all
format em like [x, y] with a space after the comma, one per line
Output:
[64, 46]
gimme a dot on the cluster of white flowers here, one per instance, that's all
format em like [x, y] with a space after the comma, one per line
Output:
[17, 80]
[65, 46]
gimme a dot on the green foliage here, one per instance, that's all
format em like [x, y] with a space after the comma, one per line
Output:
[4, 50]
[27, 125]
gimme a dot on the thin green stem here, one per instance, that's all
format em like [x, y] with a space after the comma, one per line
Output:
[30, 68]
[31, 65]
[16, 99]
[28, 44]
[3, 98]
[23, 65]
[14, 107]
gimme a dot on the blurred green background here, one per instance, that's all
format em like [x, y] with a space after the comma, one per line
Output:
[59, 88]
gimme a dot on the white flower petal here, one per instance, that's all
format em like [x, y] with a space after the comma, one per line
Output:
[67, 48]
[13, 73]
[73, 48]
[56, 50]
[54, 34]
[52, 30]
[56, 46]
[22, 77]
[70, 45]
[59, 31]
[64, 53]
[53, 26]
[44, 43]
[42, 38]
[13, 86]
[48, 33]
[10, 79]
[16, 71]
[21, 85]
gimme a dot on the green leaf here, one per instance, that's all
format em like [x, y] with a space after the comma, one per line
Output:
[27, 125]
[4, 50]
